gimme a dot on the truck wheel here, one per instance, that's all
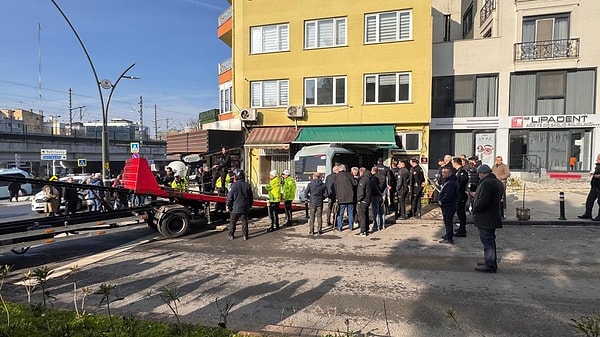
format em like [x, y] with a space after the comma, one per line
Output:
[174, 225]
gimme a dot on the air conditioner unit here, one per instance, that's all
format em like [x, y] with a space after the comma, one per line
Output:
[248, 115]
[295, 111]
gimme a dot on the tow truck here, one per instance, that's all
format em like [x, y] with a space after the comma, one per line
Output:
[171, 212]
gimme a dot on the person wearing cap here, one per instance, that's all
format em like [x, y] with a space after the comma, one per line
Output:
[417, 184]
[402, 184]
[289, 193]
[274, 190]
[179, 184]
[239, 202]
[463, 180]
[486, 215]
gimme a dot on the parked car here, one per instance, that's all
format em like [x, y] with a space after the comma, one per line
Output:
[38, 203]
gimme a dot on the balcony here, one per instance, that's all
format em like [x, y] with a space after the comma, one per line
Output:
[547, 50]
[225, 65]
[225, 26]
[225, 71]
[486, 11]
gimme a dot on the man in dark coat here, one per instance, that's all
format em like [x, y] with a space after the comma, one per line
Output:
[594, 193]
[463, 197]
[363, 199]
[71, 197]
[222, 168]
[331, 208]
[486, 214]
[315, 193]
[402, 184]
[417, 183]
[447, 201]
[344, 185]
[239, 202]
[13, 190]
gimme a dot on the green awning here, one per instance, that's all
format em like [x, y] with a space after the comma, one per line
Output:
[360, 134]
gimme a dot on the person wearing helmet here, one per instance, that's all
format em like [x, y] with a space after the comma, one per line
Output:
[239, 202]
[289, 193]
[179, 184]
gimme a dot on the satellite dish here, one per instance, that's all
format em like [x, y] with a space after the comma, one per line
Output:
[105, 84]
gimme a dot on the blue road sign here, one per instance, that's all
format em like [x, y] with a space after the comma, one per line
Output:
[53, 157]
[135, 147]
[81, 162]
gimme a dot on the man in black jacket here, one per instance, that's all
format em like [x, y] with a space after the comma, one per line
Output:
[239, 202]
[344, 185]
[486, 214]
[447, 201]
[461, 212]
[315, 193]
[332, 210]
[71, 197]
[417, 183]
[594, 193]
[363, 199]
[402, 183]
[222, 166]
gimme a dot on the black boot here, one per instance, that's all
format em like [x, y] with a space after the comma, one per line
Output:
[596, 218]
[585, 216]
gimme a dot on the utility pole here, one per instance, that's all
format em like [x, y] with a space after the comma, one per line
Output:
[155, 124]
[141, 120]
[70, 110]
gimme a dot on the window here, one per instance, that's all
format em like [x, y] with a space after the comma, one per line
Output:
[269, 93]
[268, 39]
[325, 33]
[569, 92]
[464, 96]
[408, 141]
[545, 37]
[467, 23]
[447, 25]
[387, 88]
[226, 98]
[325, 91]
[388, 27]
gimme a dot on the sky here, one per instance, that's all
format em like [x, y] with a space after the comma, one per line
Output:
[173, 44]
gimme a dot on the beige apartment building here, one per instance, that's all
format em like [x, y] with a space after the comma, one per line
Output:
[516, 78]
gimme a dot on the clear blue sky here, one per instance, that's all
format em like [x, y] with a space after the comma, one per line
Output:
[173, 43]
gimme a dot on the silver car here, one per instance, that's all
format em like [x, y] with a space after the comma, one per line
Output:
[38, 203]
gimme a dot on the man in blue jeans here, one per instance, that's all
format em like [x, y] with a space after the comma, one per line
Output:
[345, 188]
[486, 213]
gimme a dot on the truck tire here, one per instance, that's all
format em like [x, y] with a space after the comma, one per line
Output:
[174, 225]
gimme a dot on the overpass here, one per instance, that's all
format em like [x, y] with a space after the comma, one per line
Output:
[25, 148]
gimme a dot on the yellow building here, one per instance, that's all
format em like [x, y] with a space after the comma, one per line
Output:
[314, 72]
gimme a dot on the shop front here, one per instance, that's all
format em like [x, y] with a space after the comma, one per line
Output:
[559, 143]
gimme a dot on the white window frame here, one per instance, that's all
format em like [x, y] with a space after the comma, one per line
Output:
[397, 100]
[260, 101]
[334, 92]
[336, 39]
[226, 98]
[259, 43]
[404, 135]
[398, 36]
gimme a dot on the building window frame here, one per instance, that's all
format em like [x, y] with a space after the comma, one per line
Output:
[383, 27]
[315, 94]
[269, 93]
[316, 33]
[269, 38]
[468, 22]
[483, 104]
[226, 99]
[375, 92]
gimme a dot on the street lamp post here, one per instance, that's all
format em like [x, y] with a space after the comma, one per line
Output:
[106, 84]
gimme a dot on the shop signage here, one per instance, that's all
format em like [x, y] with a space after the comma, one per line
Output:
[553, 121]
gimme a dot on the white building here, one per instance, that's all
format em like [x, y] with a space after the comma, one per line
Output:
[516, 78]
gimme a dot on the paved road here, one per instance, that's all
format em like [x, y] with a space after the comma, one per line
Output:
[289, 282]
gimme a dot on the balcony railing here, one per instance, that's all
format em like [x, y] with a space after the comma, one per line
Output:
[226, 15]
[486, 11]
[224, 66]
[544, 50]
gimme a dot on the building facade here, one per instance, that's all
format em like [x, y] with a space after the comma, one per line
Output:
[516, 79]
[313, 66]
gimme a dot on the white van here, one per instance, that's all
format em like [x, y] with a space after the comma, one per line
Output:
[25, 188]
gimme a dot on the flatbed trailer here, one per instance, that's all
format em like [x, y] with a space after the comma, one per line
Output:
[171, 212]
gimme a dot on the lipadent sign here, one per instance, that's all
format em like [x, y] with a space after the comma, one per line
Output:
[554, 121]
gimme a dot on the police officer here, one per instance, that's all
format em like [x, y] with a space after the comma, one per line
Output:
[463, 180]
[402, 188]
[417, 183]
[239, 202]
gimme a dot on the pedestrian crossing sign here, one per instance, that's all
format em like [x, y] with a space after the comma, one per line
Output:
[81, 162]
[135, 147]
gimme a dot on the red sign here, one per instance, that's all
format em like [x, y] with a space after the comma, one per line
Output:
[516, 122]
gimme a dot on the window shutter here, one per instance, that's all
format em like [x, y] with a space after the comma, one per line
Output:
[310, 35]
[256, 40]
[340, 32]
[325, 33]
[283, 92]
[405, 23]
[256, 94]
[283, 38]
[269, 38]
[371, 28]
[269, 95]
[388, 27]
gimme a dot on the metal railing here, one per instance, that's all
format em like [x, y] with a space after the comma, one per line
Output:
[226, 15]
[486, 11]
[526, 163]
[224, 66]
[544, 50]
